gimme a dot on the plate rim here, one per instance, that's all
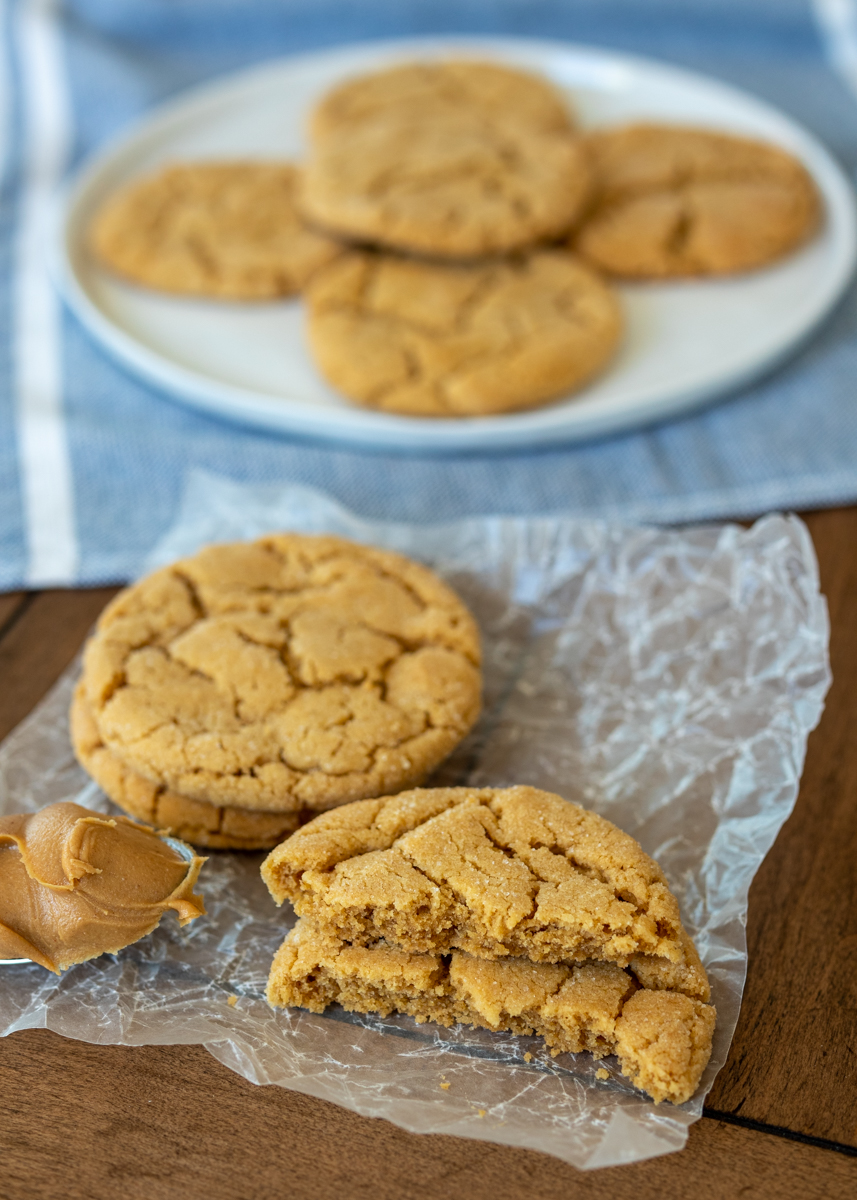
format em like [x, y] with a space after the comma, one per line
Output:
[547, 426]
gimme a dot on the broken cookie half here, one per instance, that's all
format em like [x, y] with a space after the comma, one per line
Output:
[661, 1038]
[497, 873]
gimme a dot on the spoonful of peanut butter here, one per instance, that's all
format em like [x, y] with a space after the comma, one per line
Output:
[74, 884]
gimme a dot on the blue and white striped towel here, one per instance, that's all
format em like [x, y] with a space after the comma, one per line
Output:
[93, 462]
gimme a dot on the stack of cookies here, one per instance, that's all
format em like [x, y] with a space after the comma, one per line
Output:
[506, 909]
[455, 233]
[235, 693]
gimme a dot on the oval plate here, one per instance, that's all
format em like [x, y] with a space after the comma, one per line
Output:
[686, 344]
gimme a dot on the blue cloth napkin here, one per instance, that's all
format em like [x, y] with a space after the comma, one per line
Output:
[93, 462]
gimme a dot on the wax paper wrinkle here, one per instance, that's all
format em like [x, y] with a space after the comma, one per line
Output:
[667, 679]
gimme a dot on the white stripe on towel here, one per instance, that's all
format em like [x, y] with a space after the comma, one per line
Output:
[46, 486]
[838, 22]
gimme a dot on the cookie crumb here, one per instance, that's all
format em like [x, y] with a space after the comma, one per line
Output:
[528, 1057]
[232, 1001]
[602, 1074]
[482, 1112]
[445, 1086]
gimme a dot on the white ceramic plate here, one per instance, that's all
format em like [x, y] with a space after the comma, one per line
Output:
[686, 343]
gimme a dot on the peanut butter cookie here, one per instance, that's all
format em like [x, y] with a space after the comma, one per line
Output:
[674, 202]
[196, 821]
[661, 1038]
[224, 230]
[284, 674]
[513, 871]
[453, 341]
[419, 91]
[446, 188]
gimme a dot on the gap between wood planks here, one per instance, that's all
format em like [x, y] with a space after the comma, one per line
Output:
[779, 1131]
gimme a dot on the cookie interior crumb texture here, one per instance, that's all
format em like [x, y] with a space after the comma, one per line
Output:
[662, 1039]
[227, 230]
[452, 341]
[494, 872]
[673, 201]
[290, 673]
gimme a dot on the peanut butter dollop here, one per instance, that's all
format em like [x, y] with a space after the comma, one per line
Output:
[74, 885]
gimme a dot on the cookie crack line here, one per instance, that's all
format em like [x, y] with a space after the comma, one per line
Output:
[193, 592]
[535, 876]
[538, 878]
[679, 236]
[340, 556]
[200, 253]
[442, 882]
[442, 386]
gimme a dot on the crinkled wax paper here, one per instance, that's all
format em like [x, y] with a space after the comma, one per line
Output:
[667, 678]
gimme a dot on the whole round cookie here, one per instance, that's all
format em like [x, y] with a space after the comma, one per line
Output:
[227, 230]
[446, 188]
[430, 339]
[429, 90]
[674, 202]
[196, 821]
[289, 673]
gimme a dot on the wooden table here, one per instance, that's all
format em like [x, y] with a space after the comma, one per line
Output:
[157, 1123]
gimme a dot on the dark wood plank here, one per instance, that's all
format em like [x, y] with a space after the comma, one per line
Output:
[169, 1123]
[11, 605]
[39, 645]
[794, 1058]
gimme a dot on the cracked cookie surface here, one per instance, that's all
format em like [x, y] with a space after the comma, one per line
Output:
[224, 230]
[447, 188]
[494, 872]
[421, 91]
[662, 1038]
[290, 673]
[673, 202]
[195, 821]
[442, 340]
